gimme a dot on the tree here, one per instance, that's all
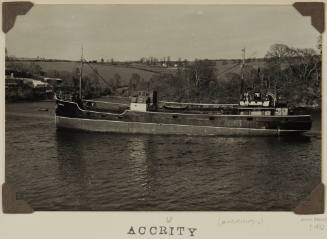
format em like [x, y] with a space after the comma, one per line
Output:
[116, 81]
[133, 82]
[166, 84]
[231, 87]
[95, 87]
[76, 76]
[6, 54]
[278, 51]
[296, 73]
[203, 72]
[319, 44]
[35, 69]
[55, 73]
[87, 87]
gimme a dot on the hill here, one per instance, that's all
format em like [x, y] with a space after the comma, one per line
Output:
[105, 70]
[126, 70]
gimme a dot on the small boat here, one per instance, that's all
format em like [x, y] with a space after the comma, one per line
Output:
[195, 107]
[175, 106]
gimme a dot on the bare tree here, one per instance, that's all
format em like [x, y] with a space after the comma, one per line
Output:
[319, 44]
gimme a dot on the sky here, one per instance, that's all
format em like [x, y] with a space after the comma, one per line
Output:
[126, 32]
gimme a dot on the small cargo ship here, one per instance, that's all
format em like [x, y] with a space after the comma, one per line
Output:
[145, 115]
[257, 113]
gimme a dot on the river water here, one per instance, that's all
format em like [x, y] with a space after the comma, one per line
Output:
[57, 170]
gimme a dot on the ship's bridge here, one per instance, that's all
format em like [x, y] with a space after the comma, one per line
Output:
[255, 103]
[144, 101]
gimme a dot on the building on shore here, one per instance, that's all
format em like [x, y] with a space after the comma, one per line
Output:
[25, 88]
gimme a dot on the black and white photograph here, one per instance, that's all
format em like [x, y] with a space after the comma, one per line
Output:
[163, 107]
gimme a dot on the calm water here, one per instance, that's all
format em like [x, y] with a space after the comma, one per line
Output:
[55, 170]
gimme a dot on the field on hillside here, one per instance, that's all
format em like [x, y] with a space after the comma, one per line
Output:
[108, 71]
[105, 70]
[234, 66]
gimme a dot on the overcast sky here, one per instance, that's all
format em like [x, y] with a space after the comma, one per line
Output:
[131, 32]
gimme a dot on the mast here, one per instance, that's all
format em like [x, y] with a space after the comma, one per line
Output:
[276, 91]
[242, 71]
[80, 76]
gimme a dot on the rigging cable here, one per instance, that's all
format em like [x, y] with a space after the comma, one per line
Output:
[221, 73]
[98, 74]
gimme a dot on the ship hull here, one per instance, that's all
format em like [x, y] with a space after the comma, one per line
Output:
[70, 116]
[163, 129]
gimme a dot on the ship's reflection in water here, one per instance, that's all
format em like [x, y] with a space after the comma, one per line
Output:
[106, 168]
[144, 172]
[67, 170]
[138, 163]
[72, 171]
